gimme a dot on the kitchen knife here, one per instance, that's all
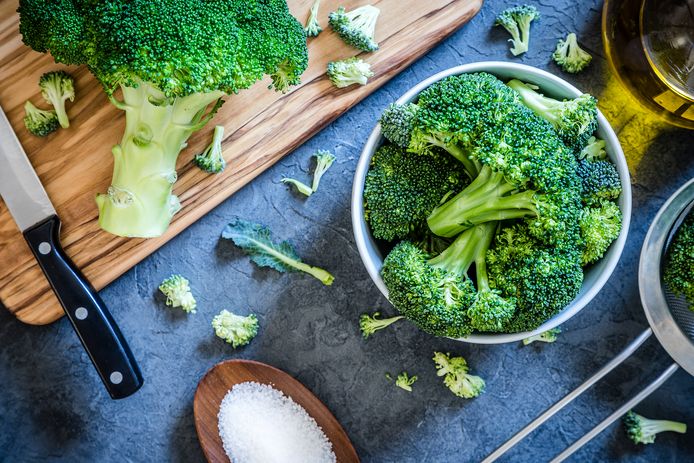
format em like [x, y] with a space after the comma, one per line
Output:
[35, 216]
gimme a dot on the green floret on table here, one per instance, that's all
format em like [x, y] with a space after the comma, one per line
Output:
[351, 71]
[642, 430]
[40, 122]
[569, 56]
[235, 329]
[456, 376]
[369, 324]
[357, 27]
[516, 21]
[56, 88]
[405, 382]
[177, 291]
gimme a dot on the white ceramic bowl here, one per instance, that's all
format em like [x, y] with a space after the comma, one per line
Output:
[553, 86]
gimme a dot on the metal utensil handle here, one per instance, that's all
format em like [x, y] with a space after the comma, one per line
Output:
[87, 313]
[567, 399]
[648, 390]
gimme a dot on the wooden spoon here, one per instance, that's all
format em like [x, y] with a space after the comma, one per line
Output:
[217, 382]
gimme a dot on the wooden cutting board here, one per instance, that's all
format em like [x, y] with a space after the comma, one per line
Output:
[261, 127]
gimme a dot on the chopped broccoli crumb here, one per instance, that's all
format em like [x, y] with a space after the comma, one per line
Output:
[39, 122]
[235, 329]
[357, 27]
[546, 336]
[643, 430]
[517, 21]
[324, 159]
[313, 28]
[569, 56]
[405, 382]
[456, 376]
[369, 324]
[256, 240]
[177, 292]
[56, 88]
[348, 72]
[212, 159]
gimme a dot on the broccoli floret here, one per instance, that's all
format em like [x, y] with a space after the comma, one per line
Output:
[300, 186]
[599, 180]
[569, 56]
[600, 226]
[456, 376]
[397, 123]
[39, 122]
[357, 27]
[546, 336]
[517, 21]
[678, 273]
[56, 88]
[173, 61]
[256, 241]
[402, 188]
[212, 159]
[594, 150]
[313, 28]
[643, 430]
[369, 324]
[405, 382]
[235, 329]
[574, 120]
[324, 159]
[349, 71]
[177, 291]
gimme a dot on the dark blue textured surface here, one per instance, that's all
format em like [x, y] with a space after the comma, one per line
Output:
[53, 408]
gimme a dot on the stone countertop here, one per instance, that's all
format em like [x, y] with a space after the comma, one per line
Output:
[53, 408]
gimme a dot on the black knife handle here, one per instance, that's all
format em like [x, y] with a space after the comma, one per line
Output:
[86, 311]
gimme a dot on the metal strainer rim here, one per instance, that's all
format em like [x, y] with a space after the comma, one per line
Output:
[653, 300]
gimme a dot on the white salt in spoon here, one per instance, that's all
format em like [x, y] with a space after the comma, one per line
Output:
[223, 376]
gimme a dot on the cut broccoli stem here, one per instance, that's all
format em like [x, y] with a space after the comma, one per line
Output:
[212, 159]
[301, 187]
[139, 202]
[466, 249]
[56, 88]
[313, 28]
[486, 199]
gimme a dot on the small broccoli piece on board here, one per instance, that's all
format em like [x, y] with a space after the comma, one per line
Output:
[40, 122]
[235, 329]
[569, 56]
[177, 291]
[369, 324]
[679, 262]
[357, 27]
[56, 88]
[313, 28]
[642, 430]
[351, 71]
[548, 336]
[211, 160]
[256, 240]
[456, 376]
[517, 21]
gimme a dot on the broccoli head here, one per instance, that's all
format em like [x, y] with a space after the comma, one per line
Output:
[679, 262]
[569, 56]
[517, 21]
[348, 72]
[456, 376]
[397, 122]
[56, 88]
[643, 430]
[574, 120]
[212, 159]
[600, 226]
[599, 181]
[235, 329]
[172, 59]
[40, 122]
[177, 291]
[402, 188]
[357, 27]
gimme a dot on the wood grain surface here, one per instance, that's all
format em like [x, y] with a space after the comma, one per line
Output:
[261, 126]
[217, 382]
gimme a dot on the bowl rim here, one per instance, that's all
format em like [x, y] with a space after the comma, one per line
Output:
[609, 261]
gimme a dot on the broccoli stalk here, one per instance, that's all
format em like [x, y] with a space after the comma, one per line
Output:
[39, 122]
[456, 376]
[235, 329]
[300, 186]
[172, 60]
[177, 291]
[349, 71]
[369, 324]
[548, 336]
[56, 88]
[643, 430]
[212, 159]
[569, 56]
[313, 28]
[357, 27]
[517, 21]
[405, 382]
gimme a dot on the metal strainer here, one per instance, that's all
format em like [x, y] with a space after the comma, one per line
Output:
[669, 317]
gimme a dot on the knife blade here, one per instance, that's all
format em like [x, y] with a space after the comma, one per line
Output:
[32, 210]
